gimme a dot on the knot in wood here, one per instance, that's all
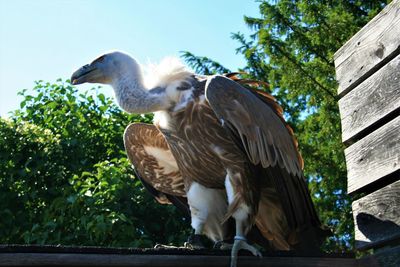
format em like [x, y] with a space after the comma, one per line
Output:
[380, 50]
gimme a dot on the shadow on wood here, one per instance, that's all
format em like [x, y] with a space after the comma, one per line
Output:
[375, 230]
[377, 217]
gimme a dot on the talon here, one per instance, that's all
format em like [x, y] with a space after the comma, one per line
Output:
[188, 245]
[241, 243]
[165, 246]
[194, 242]
[222, 245]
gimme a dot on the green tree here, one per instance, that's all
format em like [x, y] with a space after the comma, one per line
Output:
[65, 179]
[292, 48]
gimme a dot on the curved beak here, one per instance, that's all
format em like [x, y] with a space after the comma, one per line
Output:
[83, 74]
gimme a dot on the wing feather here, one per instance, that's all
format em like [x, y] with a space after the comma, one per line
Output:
[255, 121]
[152, 159]
[268, 143]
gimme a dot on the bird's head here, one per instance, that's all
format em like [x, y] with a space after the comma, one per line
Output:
[105, 69]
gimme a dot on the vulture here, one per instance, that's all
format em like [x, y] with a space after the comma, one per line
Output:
[218, 148]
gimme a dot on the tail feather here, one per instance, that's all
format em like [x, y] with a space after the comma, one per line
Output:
[271, 220]
[272, 223]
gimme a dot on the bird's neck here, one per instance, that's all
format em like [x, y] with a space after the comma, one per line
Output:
[133, 97]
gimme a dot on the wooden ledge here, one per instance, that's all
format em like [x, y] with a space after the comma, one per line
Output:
[34, 255]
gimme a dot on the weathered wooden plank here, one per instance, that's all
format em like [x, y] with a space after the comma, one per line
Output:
[377, 217]
[385, 258]
[369, 49]
[374, 99]
[56, 259]
[374, 157]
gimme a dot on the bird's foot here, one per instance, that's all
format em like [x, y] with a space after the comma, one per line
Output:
[194, 242]
[241, 243]
[223, 245]
[165, 246]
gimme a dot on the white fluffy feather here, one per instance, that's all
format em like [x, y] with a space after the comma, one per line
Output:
[169, 70]
[208, 207]
[168, 74]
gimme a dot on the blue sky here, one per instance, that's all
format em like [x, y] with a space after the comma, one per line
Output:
[48, 39]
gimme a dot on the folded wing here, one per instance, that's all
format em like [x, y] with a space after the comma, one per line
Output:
[154, 164]
[255, 122]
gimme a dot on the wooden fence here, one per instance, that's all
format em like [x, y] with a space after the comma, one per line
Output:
[368, 72]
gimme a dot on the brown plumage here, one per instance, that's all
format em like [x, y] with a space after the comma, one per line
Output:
[220, 145]
[152, 167]
[276, 158]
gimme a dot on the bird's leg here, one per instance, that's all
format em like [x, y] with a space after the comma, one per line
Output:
[199, 213]
[194, 240]
[241, 243]
[225, 240]
[207, 209]
[241, 216]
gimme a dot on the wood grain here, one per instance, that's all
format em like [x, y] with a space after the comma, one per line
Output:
[369, 49]
[374, 157]
[53, 259]
[377, 217]
[371, 101]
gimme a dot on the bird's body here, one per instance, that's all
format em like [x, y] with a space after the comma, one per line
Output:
[195, 137]
[204, 154]
[224, 147]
